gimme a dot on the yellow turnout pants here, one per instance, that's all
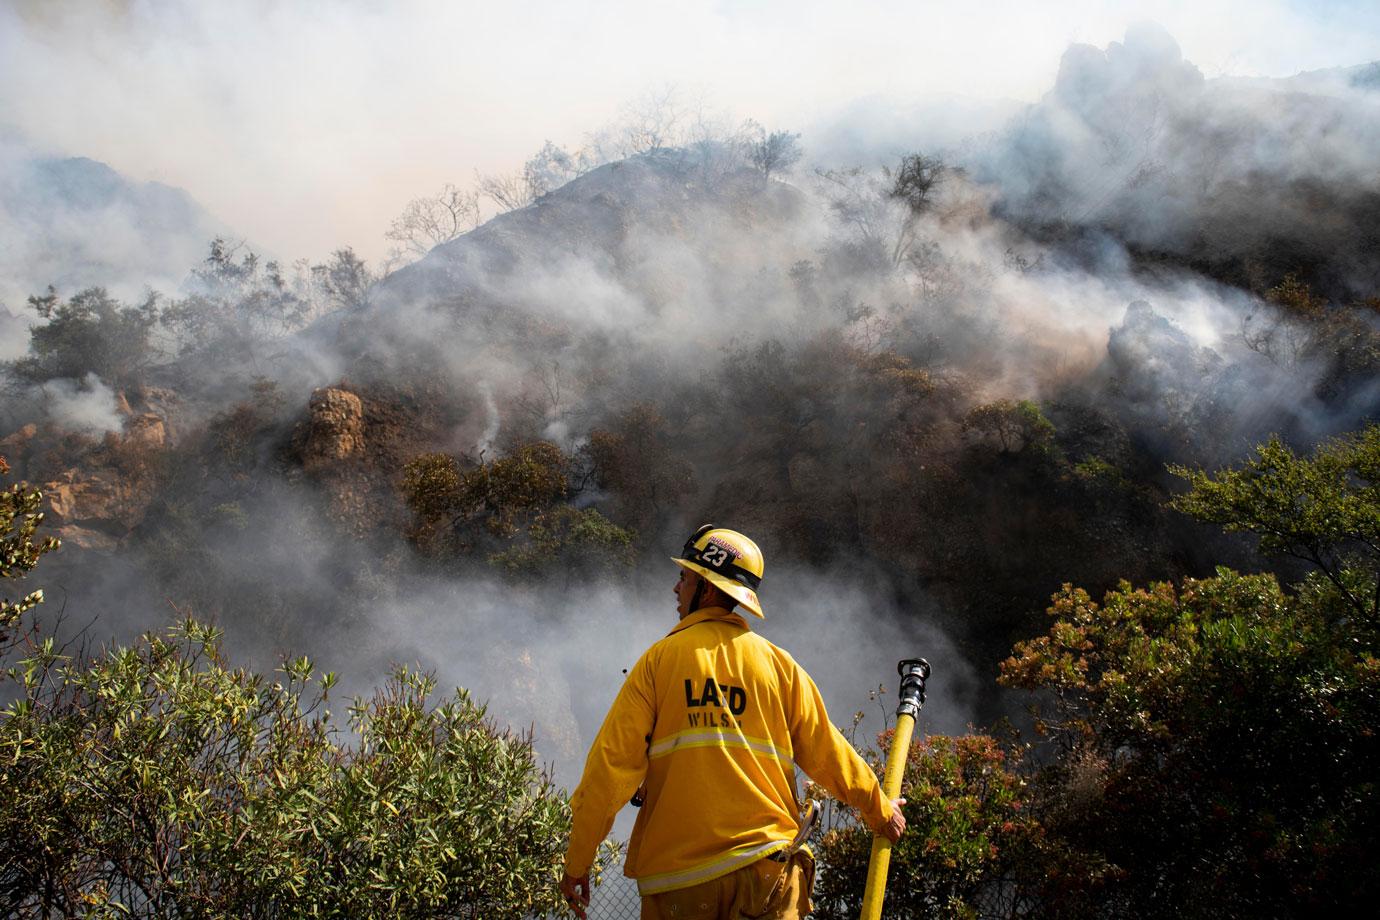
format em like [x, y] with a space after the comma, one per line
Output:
[765, 890]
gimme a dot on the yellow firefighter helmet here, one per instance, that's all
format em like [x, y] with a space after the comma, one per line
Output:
[728, 560]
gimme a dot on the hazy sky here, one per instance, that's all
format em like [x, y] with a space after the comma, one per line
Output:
[308, 124]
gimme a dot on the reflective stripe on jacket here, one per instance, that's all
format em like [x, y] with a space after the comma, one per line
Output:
[715, 718]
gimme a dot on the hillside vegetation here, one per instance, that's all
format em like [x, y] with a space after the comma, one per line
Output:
[964, 392]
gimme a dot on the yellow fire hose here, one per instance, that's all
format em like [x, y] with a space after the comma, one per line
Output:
[914, 672]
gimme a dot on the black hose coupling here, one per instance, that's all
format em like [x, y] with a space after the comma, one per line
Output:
[914, 672]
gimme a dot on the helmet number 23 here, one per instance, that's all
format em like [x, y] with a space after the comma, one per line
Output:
[714, 555]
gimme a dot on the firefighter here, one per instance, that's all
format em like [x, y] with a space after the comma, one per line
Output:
[708, 729]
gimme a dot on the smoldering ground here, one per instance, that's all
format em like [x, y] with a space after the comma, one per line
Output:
[677, 278]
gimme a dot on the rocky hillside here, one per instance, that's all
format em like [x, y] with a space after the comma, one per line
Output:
[934, 398]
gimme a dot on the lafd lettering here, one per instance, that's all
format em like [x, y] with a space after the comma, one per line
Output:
[713, 693]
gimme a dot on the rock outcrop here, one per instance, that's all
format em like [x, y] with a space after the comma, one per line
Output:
[333, 449]
[335, 429]
[147, 430]
[14, 447]
[96, 490]
[83, 496]
[95, 508]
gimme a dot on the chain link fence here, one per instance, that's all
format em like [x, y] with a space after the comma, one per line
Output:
[616, 898]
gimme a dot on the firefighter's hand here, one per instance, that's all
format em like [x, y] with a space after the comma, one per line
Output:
[576, 891]
[895, 825]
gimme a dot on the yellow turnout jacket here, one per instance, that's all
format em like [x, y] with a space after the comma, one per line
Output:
[715, 719]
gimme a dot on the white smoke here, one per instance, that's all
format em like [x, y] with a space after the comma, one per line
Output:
[554, 660]
[14, 335]
[73, 223]
[271, 96]
[492, 420]
[85, 405]
[1134, 139]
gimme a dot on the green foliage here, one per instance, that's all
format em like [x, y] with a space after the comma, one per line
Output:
[1218, 748]
[431, 486]
[1324, 509]
[1015, 426]
[1217, 742]
[572, 541]
[515, 507]
[532, 477]
[460, 819]
[1097, 470]
[1117, 667]
[496, 497]
[90, 334]
[970, 841]
[159, 781]
[20, 516]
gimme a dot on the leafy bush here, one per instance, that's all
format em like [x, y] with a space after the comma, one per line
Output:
[240, 305]
[497, 495]
[157, 780]
[515, 507]
[1217, 742]
[20, 516]
[90, 334]
[1218, 747]
[1324, 510]
[578, 542]
[970, 841]
[236, 306]
[1015, 426]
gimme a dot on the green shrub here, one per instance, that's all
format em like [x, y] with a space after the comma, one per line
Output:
[1324, 509]
[512, 512]
[1015, 426]
[157, 780]
[1216, 747]
[970, 841]
[90, 334]
[498, 497]
[20, 548]
[573, 541]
